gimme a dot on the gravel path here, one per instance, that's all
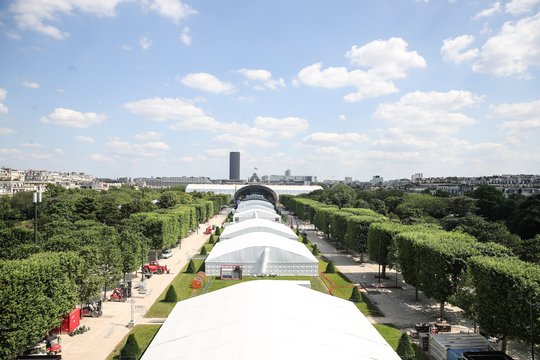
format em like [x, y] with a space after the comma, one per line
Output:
[107, 331]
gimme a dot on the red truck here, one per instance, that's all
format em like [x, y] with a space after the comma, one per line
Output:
[153, 267]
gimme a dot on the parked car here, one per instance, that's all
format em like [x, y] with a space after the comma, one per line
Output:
[167, 253]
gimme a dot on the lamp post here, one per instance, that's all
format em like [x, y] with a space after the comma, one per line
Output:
[530, 302]
[36, 200]
[379, 260]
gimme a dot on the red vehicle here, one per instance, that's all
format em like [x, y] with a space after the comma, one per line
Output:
[208, 230]
[154, 267]
[121, 293]
[92, 309]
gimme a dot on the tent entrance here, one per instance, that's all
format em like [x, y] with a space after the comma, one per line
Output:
[230, 272]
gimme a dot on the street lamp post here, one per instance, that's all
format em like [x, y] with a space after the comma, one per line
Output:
[530, 302]
[36, 200]
[379, 261]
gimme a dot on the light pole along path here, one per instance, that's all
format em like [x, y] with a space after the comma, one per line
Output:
[109, 329]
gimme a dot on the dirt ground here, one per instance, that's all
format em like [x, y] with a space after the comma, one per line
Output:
[108, 330]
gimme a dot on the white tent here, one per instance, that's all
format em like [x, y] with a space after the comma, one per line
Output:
[253, 207]
[262, 253]
[256, 214]
[257, 225]
[248, 203]
[267, 319]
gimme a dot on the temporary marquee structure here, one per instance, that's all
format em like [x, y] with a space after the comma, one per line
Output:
[253, 207]
[267, 319]
[256, 214]
[262, 253]
[248, 203]
[257, 225]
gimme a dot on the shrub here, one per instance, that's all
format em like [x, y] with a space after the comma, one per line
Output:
[355, 295]
[315, 250]
[330, 268]
[304, 240]
[171, 295]
[211, 239]
[131, 350]
[405, 349]
[203, 251]
[202, 267]
[191, 267]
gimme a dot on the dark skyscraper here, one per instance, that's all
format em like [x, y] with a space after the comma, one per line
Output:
[234, 165]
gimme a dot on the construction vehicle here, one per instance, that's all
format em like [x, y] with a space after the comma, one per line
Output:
[121, 292]
[93, 309]
[208, 230]
[153, 267]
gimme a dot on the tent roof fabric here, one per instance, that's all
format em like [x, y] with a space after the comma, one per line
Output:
[267, 319]
[256, 214]
[260, 239]
[253, 207]
[257, 225]
[248, 203]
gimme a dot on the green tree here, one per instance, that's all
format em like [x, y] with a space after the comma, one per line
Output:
[341, 195]
[489, 201]
[525, 221]
[404, 348]
[191, 267]
[171, 295]
[131, 349]
[330, 268]
[203, 251]
[355, 295]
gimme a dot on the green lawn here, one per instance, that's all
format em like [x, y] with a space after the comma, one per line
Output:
[143, 334]
[392, 334]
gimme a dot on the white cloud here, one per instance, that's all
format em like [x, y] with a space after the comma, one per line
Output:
[126, 47]
[84, 139]
[525, 117]
[385, 61]
[344, 139]
[3, 108]
[342, 117]
[72, 118]
[6, 131]
[30, 84]
[32, 145]
[100, 158]
[389, 59]
[171, 9]
[148, 135]
[125, 149]
[31, 14]
[186, 36]
[187, 115]
[58, 151]
[431, 114]
[9, 151]
[145, 43]
[40, 156]
[217, 153]
[513, 50]
[240, 140]
[12, 35]
[283, 128]
[454, 50]
[517, 7]
[492, 10]
[263, 76]
[206, 82]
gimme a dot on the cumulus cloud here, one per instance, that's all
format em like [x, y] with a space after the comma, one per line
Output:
[84, 139]
[30, 84]
[327, 138]
[428, 113]
[30, 14]
[380, 62]
[513, 50]
[517, 7]
[206, 82]
[9, 151]
[72, 118]
[174, 10]
[148, 135]
[492, 10]
[125, 149]
[6, 131]
[242, 140]
[186, 36]
[219, 152]
[262, 76]
[145, 43]
[3, 108]
[283, 128]
[455, 50]
[525, 117]
[184, 113]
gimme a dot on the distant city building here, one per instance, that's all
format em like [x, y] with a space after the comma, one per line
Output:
[287, 172]
[163, 182]
[417, 177]
[254, 178]
[284, 179]
[234, 165]
[377, 180]
[348, 179]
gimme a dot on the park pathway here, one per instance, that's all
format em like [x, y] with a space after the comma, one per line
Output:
[108, 330]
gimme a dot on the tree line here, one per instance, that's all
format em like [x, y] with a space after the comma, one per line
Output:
[87, 242]
[447, 247]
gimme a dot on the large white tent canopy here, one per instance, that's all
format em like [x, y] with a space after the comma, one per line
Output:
[253, 207]
[256, 214]
[257, 225]
[267, 319]
[249, 203]
[262, 253]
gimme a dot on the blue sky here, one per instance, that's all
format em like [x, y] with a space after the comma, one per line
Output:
[326, 88]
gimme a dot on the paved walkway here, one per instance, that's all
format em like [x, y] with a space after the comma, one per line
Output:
[398, 304]
[108, 330]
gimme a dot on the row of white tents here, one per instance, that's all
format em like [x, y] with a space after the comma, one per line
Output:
[258, 245]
